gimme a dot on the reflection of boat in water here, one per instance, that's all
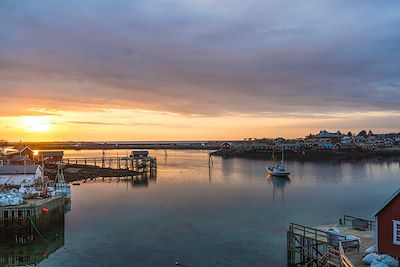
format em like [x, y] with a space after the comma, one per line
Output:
[278, 185]
[278, 169]
[279, 182]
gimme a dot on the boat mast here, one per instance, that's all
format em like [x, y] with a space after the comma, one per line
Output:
[60, 173]
[282, 156]
[273, 156]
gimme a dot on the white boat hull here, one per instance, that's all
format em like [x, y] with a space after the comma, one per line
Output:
[277, 172]
[280, 174]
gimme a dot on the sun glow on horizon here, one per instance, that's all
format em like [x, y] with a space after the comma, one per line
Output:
[38, 124]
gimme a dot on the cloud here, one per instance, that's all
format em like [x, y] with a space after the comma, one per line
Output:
[113, 123]
[201, 57]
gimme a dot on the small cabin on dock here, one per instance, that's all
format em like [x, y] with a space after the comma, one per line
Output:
[388, 226]
[140, 154]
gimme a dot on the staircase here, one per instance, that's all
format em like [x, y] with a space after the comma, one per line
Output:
[330, 259]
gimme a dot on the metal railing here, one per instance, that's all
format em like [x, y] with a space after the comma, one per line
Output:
[351, 219]
[312, 232]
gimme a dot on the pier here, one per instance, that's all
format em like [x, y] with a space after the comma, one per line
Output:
[23, 222]
[142, 164]
[315, 246]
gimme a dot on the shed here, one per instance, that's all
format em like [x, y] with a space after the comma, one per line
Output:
[51, 156]
[388, 226]
[20, 174]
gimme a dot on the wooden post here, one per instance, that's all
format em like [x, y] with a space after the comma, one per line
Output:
[103, 159]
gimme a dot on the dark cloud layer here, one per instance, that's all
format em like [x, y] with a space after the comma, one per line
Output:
[203, 56]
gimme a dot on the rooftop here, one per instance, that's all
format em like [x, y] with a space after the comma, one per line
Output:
[19, 169]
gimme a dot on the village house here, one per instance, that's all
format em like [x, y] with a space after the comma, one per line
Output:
[261, 146]
[292, 146]
[359, 139]
[20, 175]
[345, 146]
[334, 137]
[397, 140]
[279, 140]
[19, 152]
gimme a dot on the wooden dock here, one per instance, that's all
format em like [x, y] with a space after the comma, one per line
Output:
[22, 222]
[137, 164]
[314, 246]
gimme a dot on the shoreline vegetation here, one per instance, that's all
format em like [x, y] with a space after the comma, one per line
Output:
[313, 155]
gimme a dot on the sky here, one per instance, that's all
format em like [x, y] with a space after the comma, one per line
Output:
[197, 69]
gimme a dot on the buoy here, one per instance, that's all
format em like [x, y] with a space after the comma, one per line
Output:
[44, 210]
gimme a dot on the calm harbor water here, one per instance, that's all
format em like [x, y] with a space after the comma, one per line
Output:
[231, 214]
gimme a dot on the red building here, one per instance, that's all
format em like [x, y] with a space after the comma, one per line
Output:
[20, 154]
[388, 226]
[51, 156]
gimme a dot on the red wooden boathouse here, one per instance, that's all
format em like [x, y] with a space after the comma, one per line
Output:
[388, 226]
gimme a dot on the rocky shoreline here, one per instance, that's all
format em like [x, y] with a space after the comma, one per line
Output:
[314, 155]
[76, 172]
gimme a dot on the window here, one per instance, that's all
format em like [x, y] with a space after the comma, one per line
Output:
[396, 232]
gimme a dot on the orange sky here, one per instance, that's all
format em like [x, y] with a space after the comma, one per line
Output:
[123, 124]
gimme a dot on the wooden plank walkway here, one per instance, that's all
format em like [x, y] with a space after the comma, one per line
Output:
[367, 240]
[114, 162]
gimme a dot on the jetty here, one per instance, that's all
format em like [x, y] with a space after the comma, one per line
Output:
[140, 164]
[23, 222]
[317, 246]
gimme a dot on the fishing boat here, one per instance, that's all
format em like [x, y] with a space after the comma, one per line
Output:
[61, 187]
[278, 169]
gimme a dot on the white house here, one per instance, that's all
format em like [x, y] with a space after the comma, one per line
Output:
[20, 174]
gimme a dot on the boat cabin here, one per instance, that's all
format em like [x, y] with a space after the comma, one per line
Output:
[388, 226]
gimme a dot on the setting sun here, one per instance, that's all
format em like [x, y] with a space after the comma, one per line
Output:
[35, 124]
